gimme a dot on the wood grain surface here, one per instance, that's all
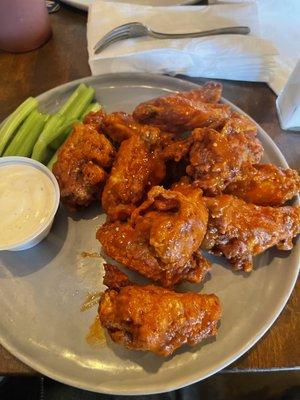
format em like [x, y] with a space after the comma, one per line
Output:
[63, 59]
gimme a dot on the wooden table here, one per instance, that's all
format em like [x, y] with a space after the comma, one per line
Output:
[63, 59]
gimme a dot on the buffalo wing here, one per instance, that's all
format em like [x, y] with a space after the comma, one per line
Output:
[215, 159]
[162, 238]
[139, 165]
[151, 318]
[82, 166]
[239, 230]
[185, 111]
[266, 185]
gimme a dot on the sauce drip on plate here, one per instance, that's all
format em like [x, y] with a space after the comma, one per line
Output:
[96, 334]
[91, 300]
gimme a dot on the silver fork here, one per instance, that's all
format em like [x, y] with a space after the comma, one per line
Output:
[137, 29]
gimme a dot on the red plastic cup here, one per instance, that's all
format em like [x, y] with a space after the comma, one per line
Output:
[24, 25]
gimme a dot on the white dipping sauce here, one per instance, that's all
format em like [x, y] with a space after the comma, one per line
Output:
[27, 200]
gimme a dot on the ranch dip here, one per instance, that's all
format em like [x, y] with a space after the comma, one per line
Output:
[27, 200]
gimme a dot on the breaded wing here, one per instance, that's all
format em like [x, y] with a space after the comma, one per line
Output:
[239, 230]
[95, 119]
[213, 158]
[151, 318]
[184, 111]
[139, 165]
[120, 126]
[265, 185]
[162, 238]
[216, 159]
[238, 123]
[82, 166]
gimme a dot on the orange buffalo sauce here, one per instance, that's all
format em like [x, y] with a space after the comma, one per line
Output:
[96, 334]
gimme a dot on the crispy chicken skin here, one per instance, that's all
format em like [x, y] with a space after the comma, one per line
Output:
[114, 278]
[210, 92]
[175, 224]
[238, 123]
[162, 238]
[151, 318]
[139, 165]
[265, 185]
[185, 111]
[239, 230]
[95, 119]
[82, 166]
[120, 126]
[215, 159]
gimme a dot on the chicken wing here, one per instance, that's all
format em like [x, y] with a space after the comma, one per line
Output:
[238, 123]
[82, 166]
[139, 165]
[95, 119]
[120, 126]
[184, 111]
[151, 318]
[162, 238]
[265, 185]
[215, 159]
[240, 230]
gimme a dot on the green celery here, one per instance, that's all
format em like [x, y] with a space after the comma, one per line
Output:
[14, 121]
[80, 104]
[93, 107]
[50, 132]
[62, 134]
[52, 161]
[70, 101]
[24, 140]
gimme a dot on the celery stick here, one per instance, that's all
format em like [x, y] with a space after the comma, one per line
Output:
[52, 161]
[81, 102]
[25, 138]
[49, 133]
[14, 121]
[48, 155]
[89, 108]
[69, 103]
[93, 107]
[62, 134]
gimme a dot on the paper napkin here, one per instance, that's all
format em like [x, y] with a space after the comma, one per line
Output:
[238, 57]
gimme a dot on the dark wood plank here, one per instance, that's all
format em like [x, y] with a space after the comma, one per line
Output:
[64, 58]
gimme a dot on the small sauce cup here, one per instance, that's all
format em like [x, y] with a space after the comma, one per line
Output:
[29, 199]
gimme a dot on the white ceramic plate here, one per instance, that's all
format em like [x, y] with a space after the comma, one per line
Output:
[84, 4]
[42, 289]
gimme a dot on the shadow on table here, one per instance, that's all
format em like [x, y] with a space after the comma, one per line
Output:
[283, 385]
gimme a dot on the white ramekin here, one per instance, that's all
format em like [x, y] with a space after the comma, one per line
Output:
[38, 235]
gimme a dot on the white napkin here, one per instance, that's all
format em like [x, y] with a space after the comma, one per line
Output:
[288, 102]
[237, 57]
[280, 23]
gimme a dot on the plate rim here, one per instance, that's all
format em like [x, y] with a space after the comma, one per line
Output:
[185, 381]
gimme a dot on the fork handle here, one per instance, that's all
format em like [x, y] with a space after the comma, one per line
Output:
[236, 30]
